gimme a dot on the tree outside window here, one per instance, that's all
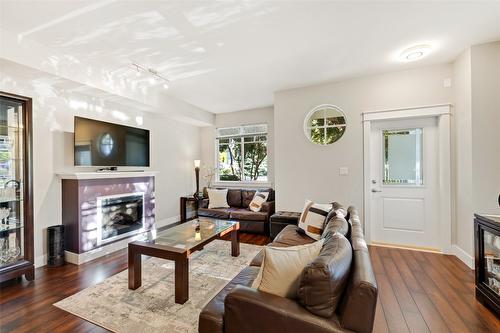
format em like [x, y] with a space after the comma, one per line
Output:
[242, 157]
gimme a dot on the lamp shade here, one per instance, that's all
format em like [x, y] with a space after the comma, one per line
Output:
[196, 163]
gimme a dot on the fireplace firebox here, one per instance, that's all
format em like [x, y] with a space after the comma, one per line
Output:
[119, 216]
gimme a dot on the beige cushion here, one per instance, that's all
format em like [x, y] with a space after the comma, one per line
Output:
[313, 217]
[217, 198]
[282, 267]
[258, 199]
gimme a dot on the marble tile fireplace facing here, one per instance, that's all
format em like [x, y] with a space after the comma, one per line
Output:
[102, 212]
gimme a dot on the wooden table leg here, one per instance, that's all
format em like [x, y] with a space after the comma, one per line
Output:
[134, 268]
[235, 243]
[181, 280]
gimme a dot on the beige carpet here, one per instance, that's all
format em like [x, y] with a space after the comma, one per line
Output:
[151, 308]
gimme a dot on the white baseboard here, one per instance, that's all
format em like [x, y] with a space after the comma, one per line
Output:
[41, 261]
[463, 256]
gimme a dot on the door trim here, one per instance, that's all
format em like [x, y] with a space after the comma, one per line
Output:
[443, 114]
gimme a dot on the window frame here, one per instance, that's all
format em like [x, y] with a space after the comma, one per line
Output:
[241, 136]
[323, 127]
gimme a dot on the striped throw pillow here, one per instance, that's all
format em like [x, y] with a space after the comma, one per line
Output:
[312, 219]
[258, 199]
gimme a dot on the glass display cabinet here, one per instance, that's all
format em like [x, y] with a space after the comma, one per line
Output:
[487, 261]
[16, 211]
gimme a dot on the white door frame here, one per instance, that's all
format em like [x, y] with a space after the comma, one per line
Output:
[443, 113]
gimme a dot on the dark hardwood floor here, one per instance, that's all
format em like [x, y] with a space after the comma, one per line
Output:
[419, 292]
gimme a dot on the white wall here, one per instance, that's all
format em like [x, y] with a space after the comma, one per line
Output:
[307, 171]
[246, 117]
[463, 212]
[174, 145]
[486, 127]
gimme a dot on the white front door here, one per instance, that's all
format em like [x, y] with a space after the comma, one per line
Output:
[404, 182]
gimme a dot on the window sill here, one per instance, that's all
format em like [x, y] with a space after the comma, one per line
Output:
[242, 184]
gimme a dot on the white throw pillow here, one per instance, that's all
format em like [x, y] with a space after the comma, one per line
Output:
[313, 217]
[217, 198]
[282, 267]
[258, 199]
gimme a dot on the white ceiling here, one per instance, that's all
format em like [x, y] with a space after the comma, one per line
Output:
[227, 56]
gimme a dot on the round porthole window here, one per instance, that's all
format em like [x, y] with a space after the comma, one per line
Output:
[325, 124]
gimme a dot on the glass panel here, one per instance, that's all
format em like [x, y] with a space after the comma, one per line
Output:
[492, 261]
[317, 135]
[255, 165]
[333, 134]
[230, 160]
[11, 182]
[402, 157]
[188, 235]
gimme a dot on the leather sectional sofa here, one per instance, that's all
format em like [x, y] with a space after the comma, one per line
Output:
[239, 200]
[240, 308]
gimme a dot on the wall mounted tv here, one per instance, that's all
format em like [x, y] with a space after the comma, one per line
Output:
[102, 144]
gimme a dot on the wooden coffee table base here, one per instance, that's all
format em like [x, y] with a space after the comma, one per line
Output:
[180, 258]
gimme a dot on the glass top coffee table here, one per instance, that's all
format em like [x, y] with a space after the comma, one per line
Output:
[177, 244]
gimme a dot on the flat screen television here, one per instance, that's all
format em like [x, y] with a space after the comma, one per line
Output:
[103, 144]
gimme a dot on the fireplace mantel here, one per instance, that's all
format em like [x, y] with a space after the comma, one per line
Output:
[105, 175]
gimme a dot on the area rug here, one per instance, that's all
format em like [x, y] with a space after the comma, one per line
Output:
[151, 308]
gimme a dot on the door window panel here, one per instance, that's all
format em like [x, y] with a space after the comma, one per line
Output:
[402, 157]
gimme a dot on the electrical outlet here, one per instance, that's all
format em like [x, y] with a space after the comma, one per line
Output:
[343, 171]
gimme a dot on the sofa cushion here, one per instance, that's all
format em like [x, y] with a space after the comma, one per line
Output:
[282, 267]
[313, 217]
[258, 200]
[323, 281]
[217, 198]
[247, 215]
[234, 197]
[337, 223]
[246, 197]
[217, 213]
[212, 315]
[290, 237]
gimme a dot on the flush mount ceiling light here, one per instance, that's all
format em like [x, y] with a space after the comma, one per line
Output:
[415, 53]
[155, 76]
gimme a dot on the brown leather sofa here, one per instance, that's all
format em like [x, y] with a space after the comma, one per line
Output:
[239, 200]
[239, 308]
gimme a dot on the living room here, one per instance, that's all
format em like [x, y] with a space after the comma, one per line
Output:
[245, 166]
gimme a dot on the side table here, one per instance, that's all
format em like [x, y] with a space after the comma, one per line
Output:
[189, 208]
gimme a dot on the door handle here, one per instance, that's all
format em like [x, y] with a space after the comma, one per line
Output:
[375, 191]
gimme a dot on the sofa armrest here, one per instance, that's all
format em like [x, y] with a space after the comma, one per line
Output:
[268, 207]
[249, 310]
[203, 203]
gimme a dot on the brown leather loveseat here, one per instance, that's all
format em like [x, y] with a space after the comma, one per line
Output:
[240, 309]
[239, 200]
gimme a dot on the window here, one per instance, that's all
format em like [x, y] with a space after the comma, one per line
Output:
[325, 124]
[242, 153]
[403, 157]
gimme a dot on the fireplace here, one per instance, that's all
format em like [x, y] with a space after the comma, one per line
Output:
[119, 216]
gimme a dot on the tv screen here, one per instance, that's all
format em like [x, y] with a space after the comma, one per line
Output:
[98, 143]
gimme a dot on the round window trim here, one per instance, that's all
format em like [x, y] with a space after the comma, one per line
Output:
[321, 107]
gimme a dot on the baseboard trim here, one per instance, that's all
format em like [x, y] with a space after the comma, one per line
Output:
[463, 256]
[406, 247]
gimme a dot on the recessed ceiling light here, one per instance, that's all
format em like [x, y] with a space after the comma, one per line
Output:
[415, 53]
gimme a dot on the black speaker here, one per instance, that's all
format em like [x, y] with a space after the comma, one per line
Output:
[55, 244]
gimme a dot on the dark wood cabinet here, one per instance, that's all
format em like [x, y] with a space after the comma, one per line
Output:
[16, 188]
[487, 260]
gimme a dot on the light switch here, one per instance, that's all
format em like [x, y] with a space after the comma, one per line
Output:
[343, 171]
[447, 83]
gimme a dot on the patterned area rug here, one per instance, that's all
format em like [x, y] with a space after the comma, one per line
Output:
[151, 308]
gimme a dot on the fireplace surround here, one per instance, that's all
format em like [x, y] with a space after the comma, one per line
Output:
[101, 210]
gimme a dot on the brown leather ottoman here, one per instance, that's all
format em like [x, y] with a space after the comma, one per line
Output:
[280, 220]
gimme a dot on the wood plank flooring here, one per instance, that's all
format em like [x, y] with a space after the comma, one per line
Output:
[418, 292]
